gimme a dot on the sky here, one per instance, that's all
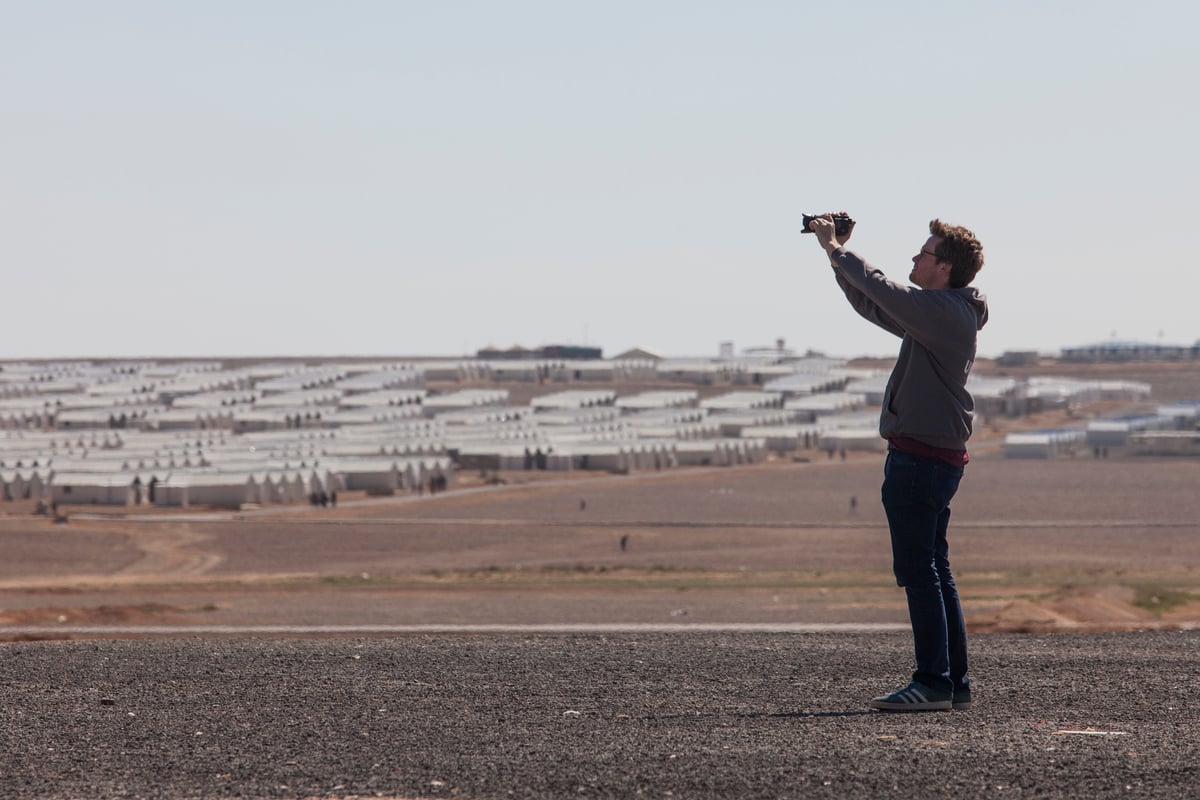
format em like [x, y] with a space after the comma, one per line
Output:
[407, 177]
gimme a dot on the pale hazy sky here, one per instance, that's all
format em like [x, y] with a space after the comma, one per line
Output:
[432, 177]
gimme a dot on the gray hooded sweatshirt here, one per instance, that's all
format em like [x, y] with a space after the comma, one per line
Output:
[926, 397]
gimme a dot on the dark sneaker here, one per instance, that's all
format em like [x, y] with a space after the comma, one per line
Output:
[962, 699]
[914, 697]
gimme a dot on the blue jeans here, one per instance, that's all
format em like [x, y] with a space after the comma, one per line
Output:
[916, 497]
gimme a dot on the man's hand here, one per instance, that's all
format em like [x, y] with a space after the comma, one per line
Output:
[826, 233]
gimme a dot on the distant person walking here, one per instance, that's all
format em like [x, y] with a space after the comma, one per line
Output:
[926, 417]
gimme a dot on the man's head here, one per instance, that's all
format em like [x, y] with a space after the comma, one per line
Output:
[950, 258]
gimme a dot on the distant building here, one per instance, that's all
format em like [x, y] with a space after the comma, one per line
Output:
[1019, 358]
[559, 351]
[570, 351]
[639, 354]
[1130, 351]
[779, 350]
[514, 353]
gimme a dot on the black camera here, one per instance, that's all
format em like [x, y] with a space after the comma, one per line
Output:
[841, 223]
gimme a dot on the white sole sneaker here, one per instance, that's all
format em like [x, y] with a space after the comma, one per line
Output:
[914, 697]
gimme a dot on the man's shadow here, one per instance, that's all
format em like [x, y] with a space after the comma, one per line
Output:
[777, 714]
[808, 714]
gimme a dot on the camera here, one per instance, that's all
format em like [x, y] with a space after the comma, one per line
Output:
[841, 223]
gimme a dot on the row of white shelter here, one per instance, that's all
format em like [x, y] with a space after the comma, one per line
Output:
[130, 433]
[191, 434]
[231, 488]
[1172, 429]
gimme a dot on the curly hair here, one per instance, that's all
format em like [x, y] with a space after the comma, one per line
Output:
[960, 249]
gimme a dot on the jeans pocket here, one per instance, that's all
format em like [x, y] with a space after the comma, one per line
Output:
[944, 480]
[905, 480]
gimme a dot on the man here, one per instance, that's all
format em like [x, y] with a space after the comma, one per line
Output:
[926, 418]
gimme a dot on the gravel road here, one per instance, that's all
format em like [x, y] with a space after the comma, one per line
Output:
[682, 715]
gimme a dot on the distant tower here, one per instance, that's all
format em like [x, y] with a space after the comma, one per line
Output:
[726, 350]
[780, 344]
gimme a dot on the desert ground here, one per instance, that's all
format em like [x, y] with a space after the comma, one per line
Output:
[1059, 545]
[621, 715]
[1047, 545]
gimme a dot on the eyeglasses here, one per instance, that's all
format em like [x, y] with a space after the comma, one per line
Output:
[930, 253]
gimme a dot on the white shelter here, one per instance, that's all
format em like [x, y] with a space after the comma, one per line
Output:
[581, 398]
[464, 399]
[1166, 443]
[658, 400]
[743, 401]
[815, 406]
[221, 489]
[1043, 444]
[94, 489]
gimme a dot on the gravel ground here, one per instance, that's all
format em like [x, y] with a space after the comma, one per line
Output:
[689, 715]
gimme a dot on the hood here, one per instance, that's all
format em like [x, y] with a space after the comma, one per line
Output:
[978, 303]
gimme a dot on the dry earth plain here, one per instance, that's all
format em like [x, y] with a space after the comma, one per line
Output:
[1058, 545]
[1067, 544]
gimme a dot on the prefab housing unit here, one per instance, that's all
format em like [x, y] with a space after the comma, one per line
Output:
[93, 489]
[220, 489]
[1043, 444]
